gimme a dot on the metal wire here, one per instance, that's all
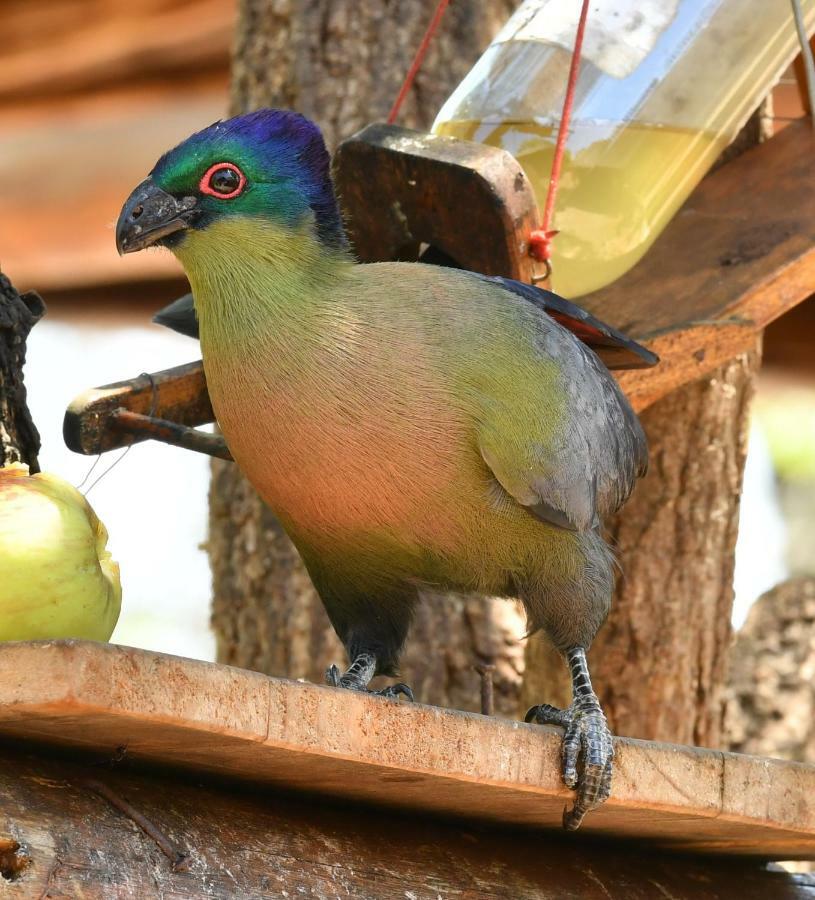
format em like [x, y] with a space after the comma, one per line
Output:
[127, 449]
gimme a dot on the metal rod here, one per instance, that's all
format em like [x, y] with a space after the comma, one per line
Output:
[170, 433]
[487, 691]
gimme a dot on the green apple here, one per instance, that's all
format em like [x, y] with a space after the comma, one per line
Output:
[57, 579]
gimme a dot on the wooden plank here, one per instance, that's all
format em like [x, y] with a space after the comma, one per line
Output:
[60, 839]
[56, 234]
[56, 48]
[740, 253]
[314, 739]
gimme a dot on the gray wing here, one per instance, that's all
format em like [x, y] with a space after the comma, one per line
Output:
[617, 350]
[573, 459]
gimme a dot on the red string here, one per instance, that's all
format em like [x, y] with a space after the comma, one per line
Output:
[540, 240]
[417, 60]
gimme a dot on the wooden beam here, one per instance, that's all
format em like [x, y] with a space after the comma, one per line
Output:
[242, 725]
[60, 839]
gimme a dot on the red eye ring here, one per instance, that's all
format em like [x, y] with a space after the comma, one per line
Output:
[206, 188]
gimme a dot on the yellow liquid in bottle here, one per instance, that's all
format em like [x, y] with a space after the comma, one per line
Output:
[620, 185]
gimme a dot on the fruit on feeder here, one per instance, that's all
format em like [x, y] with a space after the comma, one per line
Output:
[57, 579]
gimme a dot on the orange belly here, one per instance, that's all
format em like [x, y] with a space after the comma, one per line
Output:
[333, 466]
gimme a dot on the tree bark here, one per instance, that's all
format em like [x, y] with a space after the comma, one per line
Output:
[341, 62]
[659, 662]
[771, 692]
[19, 439]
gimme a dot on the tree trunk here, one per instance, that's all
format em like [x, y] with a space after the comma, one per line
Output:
[19, 440]
[341, 63]
[771, 693]
[659, 663]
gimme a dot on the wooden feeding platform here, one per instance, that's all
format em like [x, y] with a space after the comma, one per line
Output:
[256, 785]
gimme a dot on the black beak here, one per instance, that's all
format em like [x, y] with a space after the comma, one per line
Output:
[150, 214]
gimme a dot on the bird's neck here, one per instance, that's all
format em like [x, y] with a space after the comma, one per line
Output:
[259, 285]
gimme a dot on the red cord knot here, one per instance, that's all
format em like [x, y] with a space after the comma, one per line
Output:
[540, 244]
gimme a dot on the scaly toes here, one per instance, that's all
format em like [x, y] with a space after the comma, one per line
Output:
[570, 752]
[587, 761]
[395, 690]
[335, 678]
[549, 715]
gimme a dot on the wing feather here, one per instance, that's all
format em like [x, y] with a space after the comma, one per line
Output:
[579, 455]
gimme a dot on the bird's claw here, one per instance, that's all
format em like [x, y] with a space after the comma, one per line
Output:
[333, 677]
[587, 752]
[393, 691]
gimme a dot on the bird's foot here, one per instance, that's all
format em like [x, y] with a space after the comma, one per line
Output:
[352, 681]
[587, 751]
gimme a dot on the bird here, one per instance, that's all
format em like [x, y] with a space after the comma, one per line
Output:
[413, 427]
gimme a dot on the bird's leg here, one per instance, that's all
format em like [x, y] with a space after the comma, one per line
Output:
[587, 747]
[359, 675]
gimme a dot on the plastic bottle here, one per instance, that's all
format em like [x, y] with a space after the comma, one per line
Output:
[664, 86]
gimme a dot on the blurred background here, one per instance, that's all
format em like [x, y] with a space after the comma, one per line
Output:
[91, 92]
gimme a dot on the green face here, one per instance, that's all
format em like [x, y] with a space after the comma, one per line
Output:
[229, 178]
[270, 165]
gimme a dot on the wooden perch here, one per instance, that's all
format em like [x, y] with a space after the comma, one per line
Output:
[739, 253]
[164, 406]
[237, 724]
[19, 439]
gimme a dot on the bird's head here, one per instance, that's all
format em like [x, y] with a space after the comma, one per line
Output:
[270, 166]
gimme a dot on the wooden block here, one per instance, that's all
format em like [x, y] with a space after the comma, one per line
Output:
[203, 717]
[400, 188]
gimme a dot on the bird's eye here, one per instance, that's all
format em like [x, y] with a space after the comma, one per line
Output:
[224, 180]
